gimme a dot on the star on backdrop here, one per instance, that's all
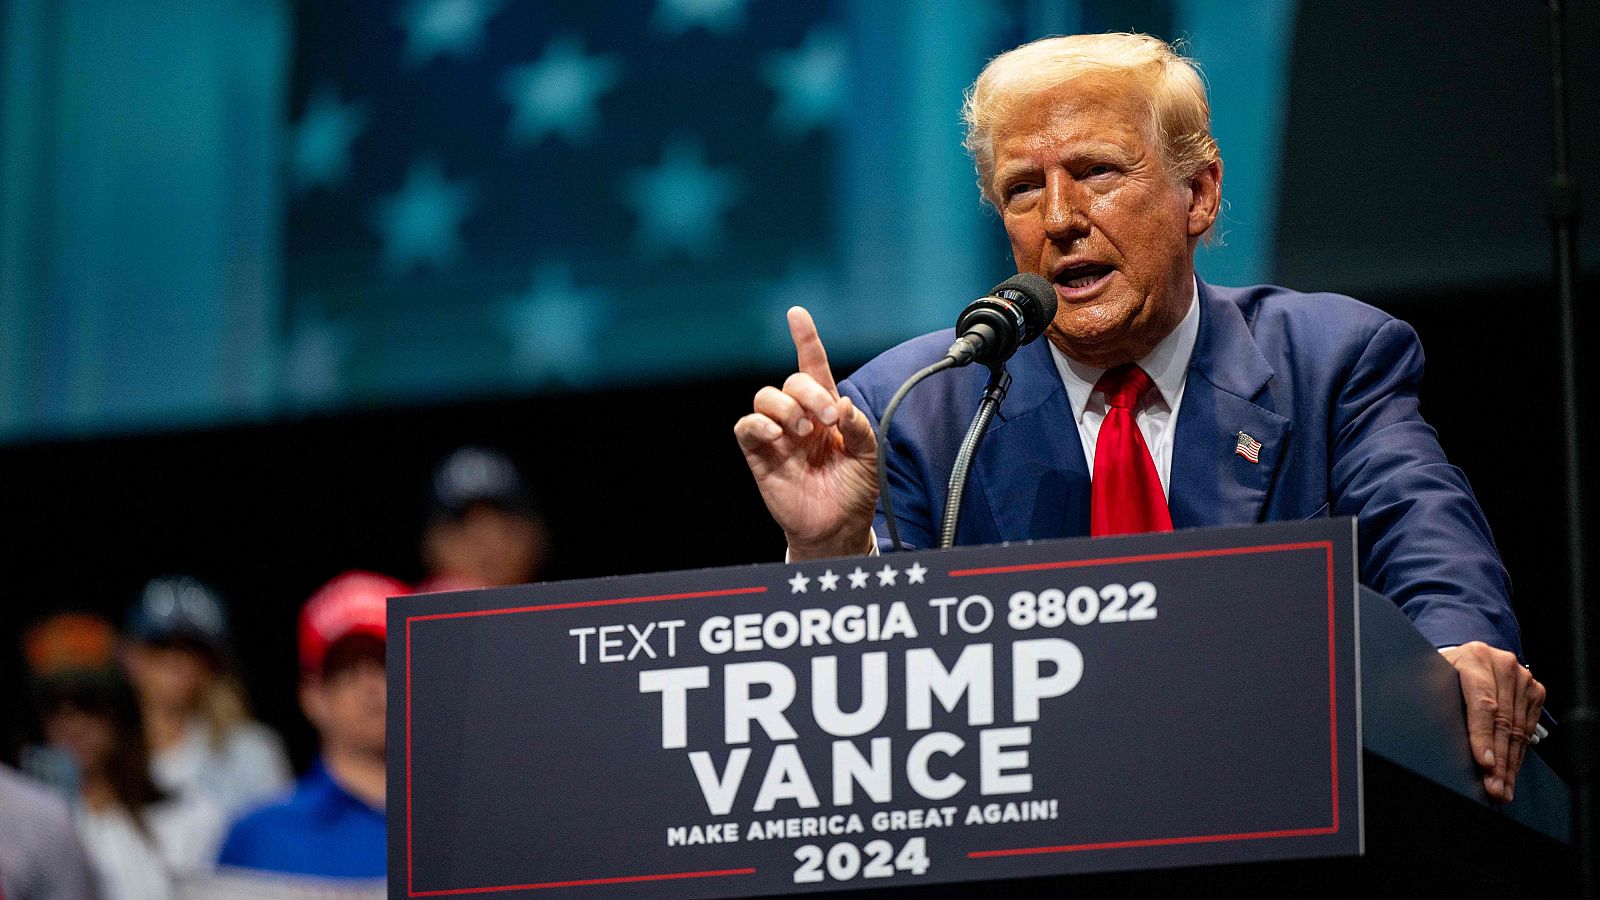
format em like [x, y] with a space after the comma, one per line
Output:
[438, 174]
[554, 326]
[421, 221]
[438, 27]
[809, 81]
[313, 363]
[858, 578]
[827, 581]
[558, 92]
[320, 142]
[886, 575]
[797, 584]
[805, 282]
[916, 573]
[680, 202]
[722, 17]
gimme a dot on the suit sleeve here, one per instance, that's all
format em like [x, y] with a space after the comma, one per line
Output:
[1424, 540]
[912, 499]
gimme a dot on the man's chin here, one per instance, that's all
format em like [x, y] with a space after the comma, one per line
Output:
[1092, 334]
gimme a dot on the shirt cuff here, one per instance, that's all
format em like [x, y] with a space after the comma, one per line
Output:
[872, 535]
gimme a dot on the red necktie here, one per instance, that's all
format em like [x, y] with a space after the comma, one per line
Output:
[1126, 496]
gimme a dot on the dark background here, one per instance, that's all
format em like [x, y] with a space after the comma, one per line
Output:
[1413, 175]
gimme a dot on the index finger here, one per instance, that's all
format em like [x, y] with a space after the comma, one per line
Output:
[808, 349]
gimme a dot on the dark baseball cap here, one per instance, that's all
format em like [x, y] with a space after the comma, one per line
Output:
[179, 608]
[473, 475]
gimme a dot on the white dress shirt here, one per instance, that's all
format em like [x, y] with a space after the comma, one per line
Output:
[1167, 365]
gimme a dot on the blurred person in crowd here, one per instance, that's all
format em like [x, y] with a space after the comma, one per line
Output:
[140, 839]
[40, 855]
[332, 825]
[483, 529]
[197, 724]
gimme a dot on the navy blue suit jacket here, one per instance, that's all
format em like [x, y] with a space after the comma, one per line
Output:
[1327, 384]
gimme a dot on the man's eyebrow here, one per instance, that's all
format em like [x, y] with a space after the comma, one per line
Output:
[1012, 170]
[1076, 151]
[1098, 148]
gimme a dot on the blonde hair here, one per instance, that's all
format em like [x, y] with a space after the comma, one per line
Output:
[1169, 83]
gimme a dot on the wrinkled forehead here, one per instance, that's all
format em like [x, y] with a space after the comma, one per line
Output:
[1084, 107]
[1078, 115]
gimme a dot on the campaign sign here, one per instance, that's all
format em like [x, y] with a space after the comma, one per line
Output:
[917, 718]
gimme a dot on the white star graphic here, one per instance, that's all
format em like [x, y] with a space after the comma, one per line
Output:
[797, 584]
[887, 575]
[828, 581]
[437, 27]
[858, 578]
[674, 17]
[914, 575]
[680, 202]
[554, 327]
[419, 222]
[320, 142]
[810, 82]
[557, 93]
[313, 363]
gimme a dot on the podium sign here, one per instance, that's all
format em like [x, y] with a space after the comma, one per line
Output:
[919, 718]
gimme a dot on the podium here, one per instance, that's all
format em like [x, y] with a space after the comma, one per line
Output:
[1183, 714]
[1431, 830]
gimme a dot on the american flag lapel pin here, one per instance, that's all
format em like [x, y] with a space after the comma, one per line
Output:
[1248, 447]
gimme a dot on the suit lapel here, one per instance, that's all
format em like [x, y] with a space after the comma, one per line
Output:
[1032, 470]
[1031, 465]
[1225, 394]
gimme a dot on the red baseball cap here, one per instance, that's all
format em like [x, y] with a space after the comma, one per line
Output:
[352, 603]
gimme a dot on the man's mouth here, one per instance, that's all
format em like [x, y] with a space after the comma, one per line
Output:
[1081, 278]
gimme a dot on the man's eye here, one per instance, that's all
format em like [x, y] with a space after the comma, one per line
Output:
[1099, 169]
[1020, 188]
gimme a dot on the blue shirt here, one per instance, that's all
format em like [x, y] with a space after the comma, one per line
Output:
[320, 829]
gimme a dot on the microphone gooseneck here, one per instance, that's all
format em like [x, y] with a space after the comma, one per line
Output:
[994, 393]
[990, 330]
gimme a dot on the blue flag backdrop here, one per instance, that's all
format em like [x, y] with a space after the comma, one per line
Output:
[237, 209]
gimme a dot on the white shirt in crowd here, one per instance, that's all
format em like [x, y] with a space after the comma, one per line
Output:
[247, 767]
[130, 864]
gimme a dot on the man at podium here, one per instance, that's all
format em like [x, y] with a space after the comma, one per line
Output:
[1158, 401]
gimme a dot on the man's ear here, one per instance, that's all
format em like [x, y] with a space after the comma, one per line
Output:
[1205, 198]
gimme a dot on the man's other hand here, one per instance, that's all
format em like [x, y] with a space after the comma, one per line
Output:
[813, 455]
[1503, 704]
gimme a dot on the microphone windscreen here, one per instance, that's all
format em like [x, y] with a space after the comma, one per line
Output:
[1035, 295]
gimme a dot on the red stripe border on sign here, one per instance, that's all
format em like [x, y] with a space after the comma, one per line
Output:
[411, 890]
[1333, 695]
[588, 882]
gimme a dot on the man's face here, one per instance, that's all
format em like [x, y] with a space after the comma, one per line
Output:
[90, 738]
[1088, 203]
[347, 705]
[486, 547]
[171, 677]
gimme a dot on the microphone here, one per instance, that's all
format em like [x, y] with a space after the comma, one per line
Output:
[993, 327]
